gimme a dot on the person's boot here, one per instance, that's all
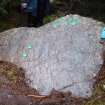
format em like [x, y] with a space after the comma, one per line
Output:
[30, 22]
[38, 22]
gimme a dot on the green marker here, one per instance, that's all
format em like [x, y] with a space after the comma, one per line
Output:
[98, 46]
[56, 24]
[29, 46]
[72, 21]
[61, 19]
[24, 55]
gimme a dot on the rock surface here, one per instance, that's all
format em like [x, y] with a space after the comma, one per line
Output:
[62, 55]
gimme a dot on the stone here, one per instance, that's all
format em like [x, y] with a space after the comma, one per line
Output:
[62, 58]
[104, 86]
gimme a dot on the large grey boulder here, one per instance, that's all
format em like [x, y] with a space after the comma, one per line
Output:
[65, 56]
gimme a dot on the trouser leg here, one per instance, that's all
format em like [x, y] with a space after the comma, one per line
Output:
[29, 20]
[32, 21]
[40, 12]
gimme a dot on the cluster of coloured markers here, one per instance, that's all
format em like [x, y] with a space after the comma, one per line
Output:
[25, 55]
[69, 21]
[56, 23]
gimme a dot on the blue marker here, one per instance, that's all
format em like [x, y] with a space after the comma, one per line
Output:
[103, 34]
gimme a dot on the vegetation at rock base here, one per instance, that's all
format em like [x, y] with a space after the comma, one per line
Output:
[11, 72]
[98, 97]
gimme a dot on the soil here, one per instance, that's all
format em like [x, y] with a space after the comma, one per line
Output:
[15, 91]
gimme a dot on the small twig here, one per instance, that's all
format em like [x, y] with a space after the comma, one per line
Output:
[37, 96]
